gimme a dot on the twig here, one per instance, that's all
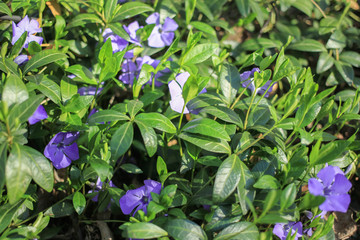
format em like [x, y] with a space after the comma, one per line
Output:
[319, 8]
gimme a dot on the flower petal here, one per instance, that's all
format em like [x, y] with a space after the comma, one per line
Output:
[153, 19]
[279, 231]
[167, 37]
[155, 39]
[131, 199]
[315, 187]
[72, 151]
[21, 59]
[170, 25]
[327, 175]
[339, 203]
[60, 160]
[341, 185]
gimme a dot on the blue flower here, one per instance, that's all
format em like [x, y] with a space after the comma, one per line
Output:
[62, 149]
[282, 230]
[247, 80]
[29, 26]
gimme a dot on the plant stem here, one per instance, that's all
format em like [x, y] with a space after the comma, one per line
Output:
[248, 111]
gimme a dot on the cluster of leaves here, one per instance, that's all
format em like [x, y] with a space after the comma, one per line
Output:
[230, 171]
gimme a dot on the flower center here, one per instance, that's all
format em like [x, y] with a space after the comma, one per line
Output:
[145, 199]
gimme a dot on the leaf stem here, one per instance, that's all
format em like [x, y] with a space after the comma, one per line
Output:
[248, 111]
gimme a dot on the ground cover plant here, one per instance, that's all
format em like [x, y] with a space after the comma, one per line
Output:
[172, 119]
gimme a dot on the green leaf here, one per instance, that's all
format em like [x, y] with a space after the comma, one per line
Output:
[223, 113]
[229, 82]
[77, 103]
[107, 116]
[325, 62]
[337, 40]
[267, 182]
[82, 73]
[185, 229]
[267, 61]
[102, 168]
[144, 75]
[14, 90]
[15, 50]
[34, 48]
[40, 167]
[67, 89]
[151, 96]
[200, 53]
[118, 29]
[5, 9]
[134, 106]
[240, 230]
[243, 7]
[131, 9]
[110, 6]
[310, 115]
[203, 8]
[310, 201]
[161, 167]
[60, 209]
[227, 178]
[207, 127]
[351, 57]
[144, 230]
[329, 152]
[204, 27]
[49, 88]
[3, 156]
[288, 196]
[9, 67]
[210, 161]
[79, 202]
[60, 27]
[7, 213]
[208, 143]
[346, 72]
[308, 45]
[43, 58]
[158, 121]
[149, 137]
[190, 89]
[189, 9]
[121, 140]
[24, 110]
[17, 173]
[257, 43]
[131, 168]
[327, 25]
[84, 18]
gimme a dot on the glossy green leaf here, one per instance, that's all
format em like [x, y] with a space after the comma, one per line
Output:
[288, 196]
[77, 103]
[189, 9]
[351, 57]
[229, 82]
[24, 110]
[203, 7]
[15, 50]
[110, 6]
[267, 182]
[329, 152]
[144, 230]
[324, 63]
[43, 58]
[310, 201]
[82, 74]
[224, 114]
[207, 127]
[131, 168]
[5, 9]
[243, 7]
[337, 40]
[257, 43]
[327, 25]
[149, 137]
[308, 45]
[50, 89]
[14, 90]
[17, 173]
[240, 230]
[60, 209]
[134, 106]
[67, 89]
[118, 29]
[207, 143]
[158, 121]
[107, 116]
[131, 9]
[9, 66]
[7, 213]
[204, 27]
[346, 72]
[3, 157]
[185, 229]
[227, 178]
[84, 18]
[121, 140]
[79, 202]
[200, 53]
[40, 167]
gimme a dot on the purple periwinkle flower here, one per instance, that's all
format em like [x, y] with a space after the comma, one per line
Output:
[282, 230]
[98, 186]
[131, 70]
[29, 26]
[247, 80]
[21, 59]
[139, 198]
[91, 90]
[176, 87]
[62, 149]
[38, 115]
[334, 186]
[163, 34]
[118, 43]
